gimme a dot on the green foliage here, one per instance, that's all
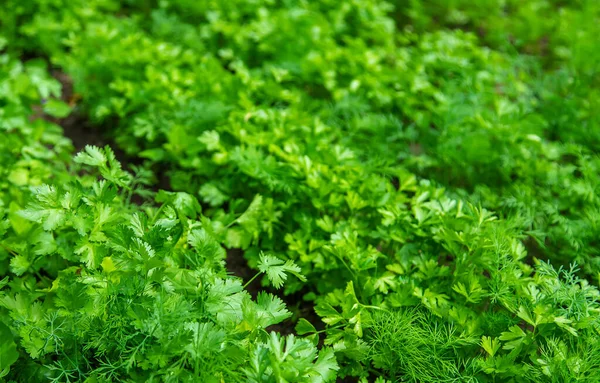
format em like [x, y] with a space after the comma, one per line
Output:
[277, 270]
[139, 295]
[8, 350]
[426, 171]
[96, 288]
[406, 343]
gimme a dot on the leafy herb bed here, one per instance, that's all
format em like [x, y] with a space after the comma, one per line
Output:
[391, 177]
[102, 265]
[82, 133]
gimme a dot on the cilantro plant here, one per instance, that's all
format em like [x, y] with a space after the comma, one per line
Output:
[423, 174]
[118, 292]
[96, 288]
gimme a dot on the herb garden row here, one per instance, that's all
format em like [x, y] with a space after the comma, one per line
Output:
[299, 191]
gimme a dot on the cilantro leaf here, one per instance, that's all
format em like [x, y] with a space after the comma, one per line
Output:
[277, 270]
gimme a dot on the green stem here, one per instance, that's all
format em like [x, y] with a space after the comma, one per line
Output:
[234, 221]
[252, 279]
[160, 209]
[130, 194]
[374, 307]
[9, 250]
[329, 328]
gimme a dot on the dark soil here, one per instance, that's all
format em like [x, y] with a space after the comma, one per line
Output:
[77, 126]
[238, 266]
[81, 131]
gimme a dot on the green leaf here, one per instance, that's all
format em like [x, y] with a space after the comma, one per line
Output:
[514, 337]
[57, 108]
[304, 327]
[212, 195]
[91, 155]
[19, 264]
[54, 218]
[37, 69]
[268, 310]
[8, 349]
[206, 244]
[564, 323]
[207, 339]
[250, 219]
[277, 270]
[156, 154]
[184, 203]
[19, 176]
[139, 224]
[325, 367]
[328, 314]
[210, 138]
[385, 282]
[524, 314]
[490, 345]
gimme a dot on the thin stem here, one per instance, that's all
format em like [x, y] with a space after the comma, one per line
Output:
[9, 250]
[329, 328]
[252, 279]
[160, 209]
[130, 193]
[374, 307]
[234, 221]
